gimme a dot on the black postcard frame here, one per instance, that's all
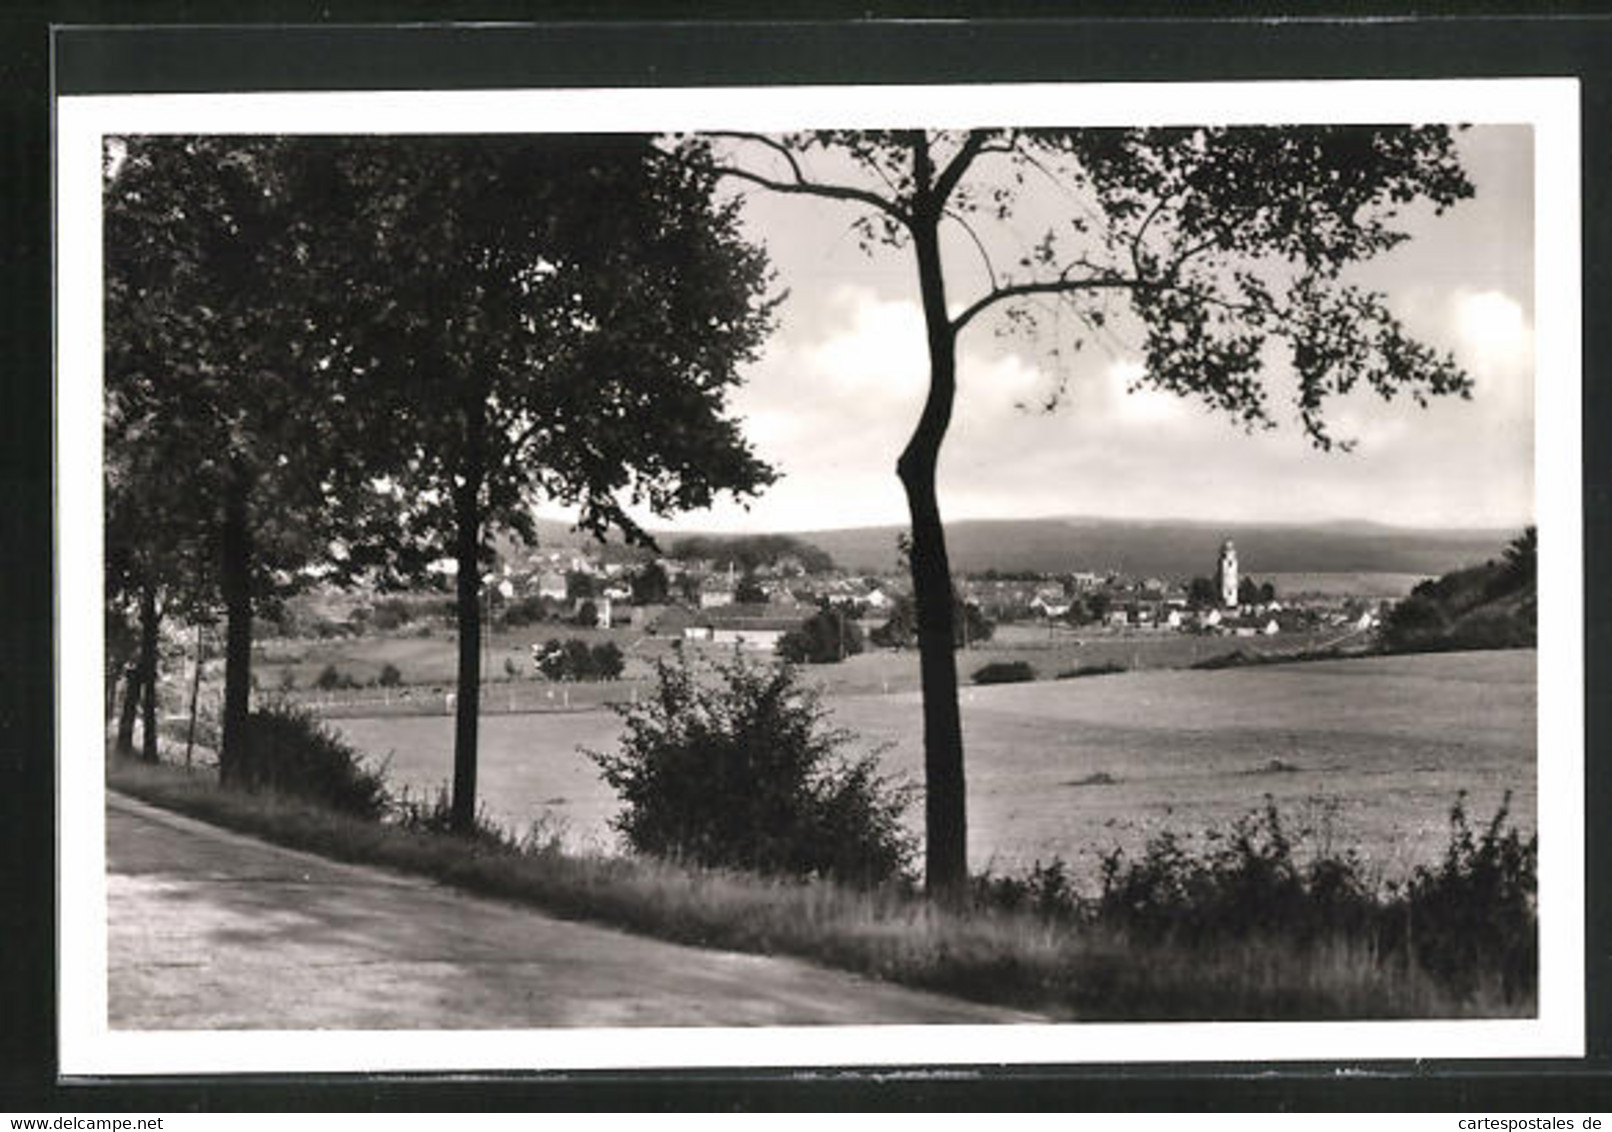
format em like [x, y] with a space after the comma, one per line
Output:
[67, 48]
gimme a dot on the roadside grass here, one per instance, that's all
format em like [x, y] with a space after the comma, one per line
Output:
[1011, 956]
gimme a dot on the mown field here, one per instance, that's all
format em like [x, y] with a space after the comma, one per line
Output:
[1370, 751]
[427, 664]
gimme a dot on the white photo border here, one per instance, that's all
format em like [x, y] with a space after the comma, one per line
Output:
[87, 1046]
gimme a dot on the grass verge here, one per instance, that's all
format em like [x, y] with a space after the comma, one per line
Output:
[1010, 957]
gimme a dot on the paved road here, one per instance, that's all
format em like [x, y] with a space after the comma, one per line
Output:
[214, 930]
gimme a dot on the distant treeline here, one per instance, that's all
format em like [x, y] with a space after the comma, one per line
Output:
[1481, 607]
[750, 552]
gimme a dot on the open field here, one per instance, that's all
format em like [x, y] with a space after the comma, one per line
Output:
[428, 664]
[1072, 768]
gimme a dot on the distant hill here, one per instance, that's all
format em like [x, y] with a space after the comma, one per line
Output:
[1491, 605]
[1176, 550]
[1167, 549]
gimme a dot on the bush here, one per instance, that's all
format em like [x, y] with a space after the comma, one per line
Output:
[288, 750]
[1477, 907]
[1250, 882]
[1005, 672]
[574, 660]
[607, 661]
[969, 625]
[390, 676]
[1471, 919]
[743, 773]
[827, 636]
[525, 611]
[331, 677]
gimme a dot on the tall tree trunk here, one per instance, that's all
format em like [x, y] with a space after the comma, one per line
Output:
[945, 807]
[195, 695]
[131, 708]
[235, 579]
[148, 671]
[467, 552]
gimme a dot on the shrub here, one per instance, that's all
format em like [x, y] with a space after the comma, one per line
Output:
[1476, 908]
[1005, 672]
[1251, 881]
[742, 773]
[390, 676]
[525, 611]
[607, 661]
[1468, 921]
[289, 750]
[827, 636]
[329, 678]
[574, 660]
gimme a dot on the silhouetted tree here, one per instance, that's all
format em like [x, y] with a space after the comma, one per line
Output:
[557, 318]
[1223, 241]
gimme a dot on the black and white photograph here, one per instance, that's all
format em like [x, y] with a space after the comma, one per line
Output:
[738, 577]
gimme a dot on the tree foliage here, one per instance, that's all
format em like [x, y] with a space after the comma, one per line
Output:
[826, 637]
[970, 626]
[227, 470]
[743, 772]
[751, 552]
[1221, 245]
[558, 318]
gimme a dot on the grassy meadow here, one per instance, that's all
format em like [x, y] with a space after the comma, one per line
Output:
[428, 664]
[1371, 751]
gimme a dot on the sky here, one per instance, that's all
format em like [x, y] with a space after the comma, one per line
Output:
[834, 396]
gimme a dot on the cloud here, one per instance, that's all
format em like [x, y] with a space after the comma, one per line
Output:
[834, 397]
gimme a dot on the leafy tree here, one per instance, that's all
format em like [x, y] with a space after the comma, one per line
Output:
[580, 585]
[575, 660]
[218, 406]
[1222, 241]
[607, 661]
[560, 317]
[1100, 603]
[753, 551]
[587, 615]
[969, 625]
[650, 586]
[1522, 556]
[749, 591]
[1201, 593]
[827, 636]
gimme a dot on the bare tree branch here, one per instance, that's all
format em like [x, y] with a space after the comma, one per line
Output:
[1064, 285]
[958, 165]
[979, 246]
[802, 185]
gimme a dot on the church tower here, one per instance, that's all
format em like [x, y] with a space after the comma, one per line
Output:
[1226, 574]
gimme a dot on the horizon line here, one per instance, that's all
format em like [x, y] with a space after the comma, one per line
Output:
[673, 526]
